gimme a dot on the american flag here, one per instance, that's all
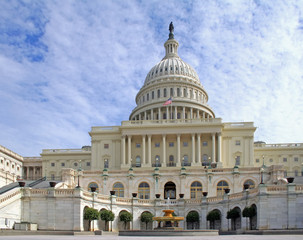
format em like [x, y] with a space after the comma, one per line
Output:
[169, 101]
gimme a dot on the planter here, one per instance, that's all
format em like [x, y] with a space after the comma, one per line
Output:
[134, 195]
[227, 190]
[112, 193]
[290, 179]
[246, 186]
[205, 194]
[93, 189]
[181, 195]
[158, 195]
[21, 184]
[52, 184]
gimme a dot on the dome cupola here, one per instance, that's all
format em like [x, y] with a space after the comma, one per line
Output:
[172, 78]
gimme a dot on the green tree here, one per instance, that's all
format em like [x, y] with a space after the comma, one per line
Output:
[249, 212]
[233, 214]
[107, 216]
[91, 214]
[192, 217]
[126, 217]
[212, 217]
[146, 217]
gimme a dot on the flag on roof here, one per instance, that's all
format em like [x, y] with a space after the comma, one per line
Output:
[169, 101]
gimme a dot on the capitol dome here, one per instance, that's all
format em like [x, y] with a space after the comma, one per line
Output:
[172, 79]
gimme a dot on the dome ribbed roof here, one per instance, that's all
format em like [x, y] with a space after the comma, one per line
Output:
[171, 66]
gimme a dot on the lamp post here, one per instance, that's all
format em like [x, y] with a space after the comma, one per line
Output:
[262, 171]
[79, 172]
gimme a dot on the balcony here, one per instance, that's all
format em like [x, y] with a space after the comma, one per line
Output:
[171, 164]
[156, 165]
[136, 165]
[186, 164]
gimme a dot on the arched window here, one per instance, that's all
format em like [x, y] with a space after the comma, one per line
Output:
[138, 161]
[249, 182]
[184, 92]
[185, 161]
[170, 190]
[171, 162]
[237, 160]
[93, 185]
[220, 187]
[119, 189]
[196, 190]
[144, 191]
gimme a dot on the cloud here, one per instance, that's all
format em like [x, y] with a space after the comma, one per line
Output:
[67, 66]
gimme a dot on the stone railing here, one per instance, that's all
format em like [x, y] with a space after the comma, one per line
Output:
[145, 202]
[169, 121]
[10, 153]
[78, 150]
[239, 125]
[105, 128]
[276, 188]
[215, 199]
[9, 195]
[236, 195]
[280, 145]
[193, 201]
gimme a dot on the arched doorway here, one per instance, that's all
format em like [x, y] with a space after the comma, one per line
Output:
[254, 218]
[170, 190]
[193, 220]
[85, 222]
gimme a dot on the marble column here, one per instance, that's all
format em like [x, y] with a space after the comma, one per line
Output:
[149, 150]
[193, 150]
[183, 113]
[159, 113]
[213, 136]
[123, 150]
[178, 151]
[143, 150]
[129, 140]
[164, 150]
[199, 149]
[219, 149]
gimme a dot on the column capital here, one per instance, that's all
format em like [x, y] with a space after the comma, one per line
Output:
[213, 134]
[163, 135]
[193, 134]
[219, 134]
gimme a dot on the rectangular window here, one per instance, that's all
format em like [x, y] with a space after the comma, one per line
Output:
[153, 94]
[106, 146]
[257, 160]
[147, 97]
[138, 145]
[159, 93]
[62, 164]
[204, 144]
[164, 92]
[185, 144]
[284, 159]
[52, 164]
[296, 159]
[171, 144]
[271, 160]
[52, 176]
[171, 92]
[157, 144]
[143, 98]
[238, 143]
[88, 164]
[238, 160]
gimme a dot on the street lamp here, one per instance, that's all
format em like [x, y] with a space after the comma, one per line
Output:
[262, 171]
[79, 173]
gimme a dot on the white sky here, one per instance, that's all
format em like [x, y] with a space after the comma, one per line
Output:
[68, 65]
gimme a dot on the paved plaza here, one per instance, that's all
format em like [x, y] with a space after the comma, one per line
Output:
[114, 237]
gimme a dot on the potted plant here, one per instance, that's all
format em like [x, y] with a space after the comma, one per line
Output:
[158, 195]
[181, 195]
[227, 190]
[93, 189]
[134, 195]
[21, 184]
[112, 193]
[246, 186]
[205, 194]
[290, 179]
[52, 184]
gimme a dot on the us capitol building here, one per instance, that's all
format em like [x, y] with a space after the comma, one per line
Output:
[173, 146]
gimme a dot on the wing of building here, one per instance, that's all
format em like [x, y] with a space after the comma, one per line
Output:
[173, 146]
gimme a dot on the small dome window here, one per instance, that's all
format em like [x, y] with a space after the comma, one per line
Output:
[156, 71]
[161, 70]
[166, 69]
